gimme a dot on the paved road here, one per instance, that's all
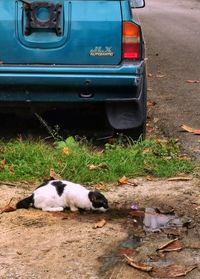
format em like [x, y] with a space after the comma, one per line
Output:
[172, 35]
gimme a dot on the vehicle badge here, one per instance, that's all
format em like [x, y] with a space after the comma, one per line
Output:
[101, 51]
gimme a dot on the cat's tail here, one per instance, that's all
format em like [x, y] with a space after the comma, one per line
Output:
[25, 203]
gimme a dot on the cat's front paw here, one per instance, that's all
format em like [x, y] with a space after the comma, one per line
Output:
[73, 208]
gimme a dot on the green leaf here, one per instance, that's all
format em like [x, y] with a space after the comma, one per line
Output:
[71, 142]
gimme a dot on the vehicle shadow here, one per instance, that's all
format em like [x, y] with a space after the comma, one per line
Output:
[86, 121]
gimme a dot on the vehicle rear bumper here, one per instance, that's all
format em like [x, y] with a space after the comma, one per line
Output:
[70, 84]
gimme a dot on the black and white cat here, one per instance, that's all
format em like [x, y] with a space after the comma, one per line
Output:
[55, 195]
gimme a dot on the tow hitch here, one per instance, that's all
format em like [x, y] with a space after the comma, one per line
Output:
[51, 21]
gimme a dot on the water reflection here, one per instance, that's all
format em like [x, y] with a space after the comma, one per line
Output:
[151, 219]
[154, 220]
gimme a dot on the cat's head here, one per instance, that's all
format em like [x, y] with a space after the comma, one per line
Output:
[99, 202]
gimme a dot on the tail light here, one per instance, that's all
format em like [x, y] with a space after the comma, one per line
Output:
[131, 41]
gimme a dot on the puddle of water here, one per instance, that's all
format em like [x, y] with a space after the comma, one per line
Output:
[131, 243]
[115, 258]
[153, 220]
[138, 222]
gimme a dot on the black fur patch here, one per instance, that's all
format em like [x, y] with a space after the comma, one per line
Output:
[59, 187]
[98, 200]
[25, 203]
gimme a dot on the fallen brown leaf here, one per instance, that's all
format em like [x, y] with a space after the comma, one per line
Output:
[7, 208]
[2, 163]
[172, 245]
[101, 186]
[137, 213]
[150, 130]
[100, 224]
[54, 175]
[137, 265]
[151, 178]
[171, 271]
[126, 251]
[147, 151]
[124, 181]
[193, 81]
[97, 167]
[160, 76]
[92, 167]
[11, 168]
[66, 150]
[151, 103]
[190, 129]
[180, 178]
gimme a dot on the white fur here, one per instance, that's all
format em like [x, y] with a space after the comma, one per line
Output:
[74, 196]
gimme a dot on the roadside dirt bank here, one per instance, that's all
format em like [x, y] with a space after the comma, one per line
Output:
[36, 244]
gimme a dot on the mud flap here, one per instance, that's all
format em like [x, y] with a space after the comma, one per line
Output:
[129, 114]
[125, 115]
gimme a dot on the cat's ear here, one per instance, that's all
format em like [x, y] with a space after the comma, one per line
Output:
[51, 178]
[92, 196]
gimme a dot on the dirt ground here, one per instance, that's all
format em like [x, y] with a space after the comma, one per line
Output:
[36, 244]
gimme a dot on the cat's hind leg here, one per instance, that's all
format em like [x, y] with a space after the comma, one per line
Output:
[53, 209]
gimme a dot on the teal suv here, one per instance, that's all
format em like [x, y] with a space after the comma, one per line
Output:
[61, 52]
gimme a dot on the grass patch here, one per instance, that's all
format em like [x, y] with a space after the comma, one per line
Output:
[82, 162]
